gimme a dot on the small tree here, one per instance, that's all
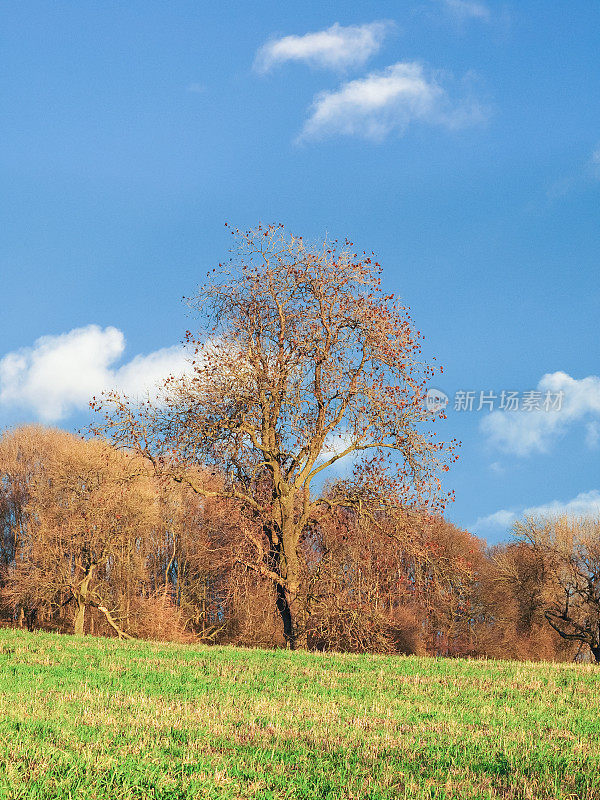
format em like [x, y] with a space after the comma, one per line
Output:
[569, 549]
[302, 360]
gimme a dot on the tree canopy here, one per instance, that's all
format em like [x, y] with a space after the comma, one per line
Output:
[303, 360]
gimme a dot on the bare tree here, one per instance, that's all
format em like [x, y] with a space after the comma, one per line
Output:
[510, 593]
[302, 360]
[569, 550]
[82, 521]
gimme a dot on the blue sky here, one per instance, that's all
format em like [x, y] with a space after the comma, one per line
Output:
[459, 139]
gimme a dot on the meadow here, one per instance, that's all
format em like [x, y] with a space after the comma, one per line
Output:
[98, 718]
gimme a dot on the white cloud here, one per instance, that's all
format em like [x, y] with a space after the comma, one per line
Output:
[526, 432]
[337, 47]
[592, 434]
[60, 374]
[334, 445]
[373, 106]
[467, 9]
[585, 504]
[499, 519]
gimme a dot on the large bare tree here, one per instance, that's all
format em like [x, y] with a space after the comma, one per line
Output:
[301, 360]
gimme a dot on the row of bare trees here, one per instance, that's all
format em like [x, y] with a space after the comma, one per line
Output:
[93, 542]
[218, 507]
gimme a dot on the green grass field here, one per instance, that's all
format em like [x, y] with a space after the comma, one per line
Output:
[97, 718]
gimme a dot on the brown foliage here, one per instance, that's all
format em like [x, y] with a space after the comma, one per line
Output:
[83, 519]
[303, 360]
[511, 622]
[158, 617]
[91, 538]
[567, 550]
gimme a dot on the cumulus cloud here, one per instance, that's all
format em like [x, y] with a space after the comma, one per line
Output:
[592, 434]
[525, 432]
[337, 47]
[373, 106]
[335, 444]
[467, 9]
[585, 504]
[59, 375]
[499, 519]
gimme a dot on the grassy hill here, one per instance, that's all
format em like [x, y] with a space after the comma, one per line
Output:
[96, 718]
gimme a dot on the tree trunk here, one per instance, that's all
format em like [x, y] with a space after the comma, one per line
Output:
[596, 653]
[285, 613]
[81, 594]
[297, 616]
[79, 625]
[291, 616]
[27, 618]
[283, 560]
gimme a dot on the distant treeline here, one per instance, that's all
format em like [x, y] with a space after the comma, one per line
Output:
[93, 542]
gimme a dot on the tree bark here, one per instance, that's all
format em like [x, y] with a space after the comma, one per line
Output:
[111, 621]
[81, 595]
[283, 560]
[285, 613]
[79, 625]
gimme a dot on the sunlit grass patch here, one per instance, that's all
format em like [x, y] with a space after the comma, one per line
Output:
[96, 718]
